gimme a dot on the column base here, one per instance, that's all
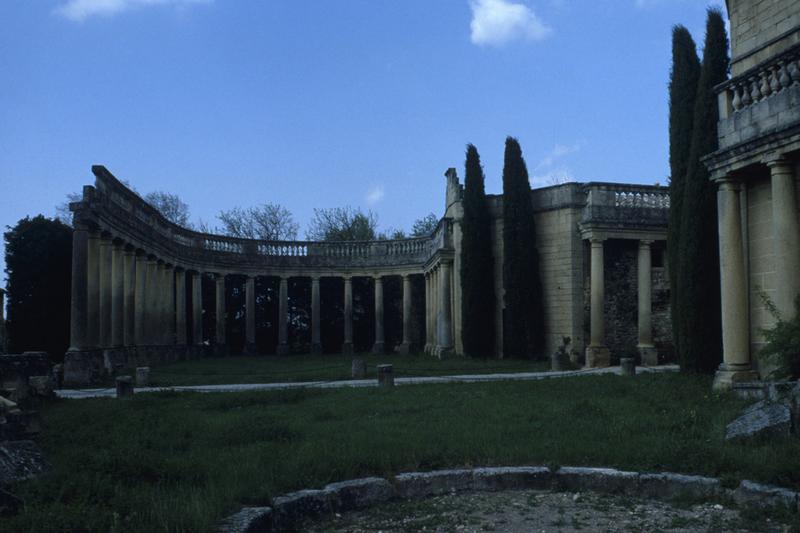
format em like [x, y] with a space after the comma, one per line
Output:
[597, 357]
[282, 349]
[648, 354]
[727, 375]
[250, 348]
[441, 352]
[316, 348]
[404, 348]
[347, 348]
[83, 367]
[427, 349]
[378, 348]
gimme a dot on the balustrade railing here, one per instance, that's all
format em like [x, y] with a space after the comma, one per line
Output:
[623, 204]
[764, 80]
[118, 203]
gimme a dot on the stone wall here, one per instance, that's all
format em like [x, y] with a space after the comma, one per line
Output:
[755, 23]
[621, 302]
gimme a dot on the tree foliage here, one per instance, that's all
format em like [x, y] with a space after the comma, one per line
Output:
[271, 222]
[782, 349]
[342, 224]
[523, 318]
[477, 263]
[684, 77]
[170, 206]
[39, 266]
[698, 266]
[424, 226]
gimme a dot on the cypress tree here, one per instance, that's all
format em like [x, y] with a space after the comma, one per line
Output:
[698, 266]
[477, 263]
[683, 81]
[522, 324]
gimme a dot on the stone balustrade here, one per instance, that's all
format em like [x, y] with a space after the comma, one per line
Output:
[626, 205]
[763, 80]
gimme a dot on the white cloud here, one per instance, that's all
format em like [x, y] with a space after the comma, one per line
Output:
[374, 195]
[496, 22]
[79, 10]
[558, 151]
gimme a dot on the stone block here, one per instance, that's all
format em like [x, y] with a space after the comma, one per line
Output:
[359, 368]
[287, 509]
[248, 520]
[41, 386]
[597, 357]
[511, 478]
[627, 366]
[667, 485]
[124, 386]
[20, 460]
[385, 376]
[607, 480]
[415, 485]
[762, 419]
[358, 493]
[114, 359]
[756, 494]
[83, 368]
[143, 376]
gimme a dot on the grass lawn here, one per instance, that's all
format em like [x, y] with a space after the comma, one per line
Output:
[333, 367]
[181, 461]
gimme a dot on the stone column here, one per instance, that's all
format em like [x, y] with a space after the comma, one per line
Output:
[785, 236]
[445, 310]
[597, 354]
[3, 340]
[250, 315]
[316, 326]
[427, 346]
[405, 346]
[347, 346]
[197, 308]
[160, 299]
[151, 300]
[435, 301]
[283, 317]
[79, 305]
[140, 300]
[380, 346]
[105, 292]
[735, 317]
[129, 298]
[180, 307]
[647, 351]
[220, 305]
[93, 290]
[169, 307]
[117, 295]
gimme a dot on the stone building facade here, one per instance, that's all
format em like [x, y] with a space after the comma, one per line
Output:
[757, 169]
[138, 279]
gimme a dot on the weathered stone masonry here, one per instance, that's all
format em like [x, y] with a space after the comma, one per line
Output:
[132, 271]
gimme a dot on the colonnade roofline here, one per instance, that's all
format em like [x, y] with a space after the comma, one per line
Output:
[116, 211]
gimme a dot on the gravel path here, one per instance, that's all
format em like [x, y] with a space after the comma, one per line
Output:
[537, 511]
[77, 394]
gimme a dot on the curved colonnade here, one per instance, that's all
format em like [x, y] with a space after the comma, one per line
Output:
[131, 269]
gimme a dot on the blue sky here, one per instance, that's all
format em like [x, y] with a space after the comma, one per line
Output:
[330, 102]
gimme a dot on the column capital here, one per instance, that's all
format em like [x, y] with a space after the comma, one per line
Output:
[773, 160]
[729, 183]
[645, 243]
[597, 241]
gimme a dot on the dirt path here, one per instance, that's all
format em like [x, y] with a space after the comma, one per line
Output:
[537, 511]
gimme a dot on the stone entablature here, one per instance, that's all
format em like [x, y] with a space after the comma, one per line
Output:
[761, 29]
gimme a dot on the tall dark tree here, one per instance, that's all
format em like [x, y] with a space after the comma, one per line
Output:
[477, 263]
[39, 266]
[698, 265]
[683, 81]
[523, 332]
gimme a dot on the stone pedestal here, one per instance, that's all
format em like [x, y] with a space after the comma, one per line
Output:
[597, 356]
[648, 355]
[143, 376]
[124, 386]
[627, 366]
[359, 368]
[385, 376]
[729, 374]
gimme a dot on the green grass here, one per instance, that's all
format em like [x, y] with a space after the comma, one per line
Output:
[334, 367]
[182, 461]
